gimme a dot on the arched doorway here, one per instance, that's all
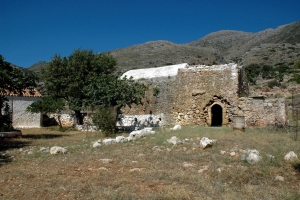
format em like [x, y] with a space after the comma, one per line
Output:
[216, 115]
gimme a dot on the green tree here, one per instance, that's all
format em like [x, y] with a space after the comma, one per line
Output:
[48, 104]
[13, 80]
[85, 79]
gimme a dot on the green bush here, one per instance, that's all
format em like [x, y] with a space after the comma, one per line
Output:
[155, 91]
[273, 83]
[105, 120]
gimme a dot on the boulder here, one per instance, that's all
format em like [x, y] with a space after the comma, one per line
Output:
[57, 150]
[205, 142]
[253, 158]
[291, 156]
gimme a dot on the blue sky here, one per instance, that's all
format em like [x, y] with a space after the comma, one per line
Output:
[35, 30]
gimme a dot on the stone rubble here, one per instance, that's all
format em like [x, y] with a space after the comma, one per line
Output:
[205, 142]
[291, 156]
[57, 150]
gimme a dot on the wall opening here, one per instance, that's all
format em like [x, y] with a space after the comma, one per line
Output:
[216, 115]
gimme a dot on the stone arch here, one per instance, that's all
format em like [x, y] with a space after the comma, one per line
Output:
[216, 110]
[216, 113]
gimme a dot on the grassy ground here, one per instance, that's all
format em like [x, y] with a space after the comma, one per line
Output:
[136, 170]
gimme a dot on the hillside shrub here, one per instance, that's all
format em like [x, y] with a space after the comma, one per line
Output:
[155, 91]
[273, 84]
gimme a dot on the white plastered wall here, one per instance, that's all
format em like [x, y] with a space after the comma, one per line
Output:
[21, 118]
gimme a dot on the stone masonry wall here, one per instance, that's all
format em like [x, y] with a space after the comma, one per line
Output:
[190, 96]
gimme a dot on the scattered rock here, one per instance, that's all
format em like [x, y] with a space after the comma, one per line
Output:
[203, 168]
[279, 178]
[44, 149]
[136, 169]
[96, 144]
[291, 156]
[106, 160]
[220, 169]
[222, 152]
[185, 165]
[103, 168]
[156, 148]
[205, 142]
[121, 139]
[109, 141]
[253, 158]
[174, 140]
[176, 127]
[232, 153]
[57, 150]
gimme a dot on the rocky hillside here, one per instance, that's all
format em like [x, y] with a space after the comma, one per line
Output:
[267, 47]
[270, 46]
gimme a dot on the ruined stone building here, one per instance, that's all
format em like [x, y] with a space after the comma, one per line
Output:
[199, 95]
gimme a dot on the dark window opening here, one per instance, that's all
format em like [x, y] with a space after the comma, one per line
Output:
[216, 115]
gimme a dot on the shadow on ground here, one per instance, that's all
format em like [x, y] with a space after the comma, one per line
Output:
[297, 167]
[43, 136]
[7, 144]
[4, 159]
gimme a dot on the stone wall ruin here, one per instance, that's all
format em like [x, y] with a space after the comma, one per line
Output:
[203, 95]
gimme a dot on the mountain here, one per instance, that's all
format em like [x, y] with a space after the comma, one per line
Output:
[37, 66]
[161, 53]
[268, 47]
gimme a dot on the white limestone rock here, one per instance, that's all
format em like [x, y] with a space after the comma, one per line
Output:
[175, 128]
[57, 150]
[174, 140]
[222, 152]
[279, 178]
[44, 149]
[203, 168]
[291, 156]
[96, 144]
[253, 158]
[232, 153]
[121, 139]
[109, 141]
[205, 142]
[186, 165]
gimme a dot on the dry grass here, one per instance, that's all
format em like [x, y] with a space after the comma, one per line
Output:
[136, 171]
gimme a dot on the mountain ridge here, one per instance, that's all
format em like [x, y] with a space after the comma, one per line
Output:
[219, 47]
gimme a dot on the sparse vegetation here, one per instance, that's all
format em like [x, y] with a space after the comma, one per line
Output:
[138, 171]
[155, 91]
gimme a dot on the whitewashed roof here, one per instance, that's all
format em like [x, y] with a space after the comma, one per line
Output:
[166, 71]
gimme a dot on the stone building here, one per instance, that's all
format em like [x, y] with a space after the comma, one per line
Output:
[18, 104]
[200, 95]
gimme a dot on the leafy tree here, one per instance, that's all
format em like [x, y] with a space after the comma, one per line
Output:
[85, 79]
[12, 81]
[49, 104]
